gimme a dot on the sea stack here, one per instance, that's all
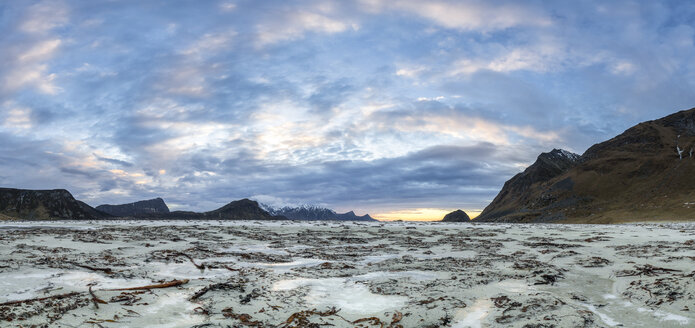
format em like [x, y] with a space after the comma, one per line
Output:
[457, 216]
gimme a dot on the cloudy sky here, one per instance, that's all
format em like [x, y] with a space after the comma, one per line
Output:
[399, 108]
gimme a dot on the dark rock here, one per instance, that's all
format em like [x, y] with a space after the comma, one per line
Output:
[456, 216]
[156, 205]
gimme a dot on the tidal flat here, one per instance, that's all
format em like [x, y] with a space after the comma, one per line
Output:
[345, 274]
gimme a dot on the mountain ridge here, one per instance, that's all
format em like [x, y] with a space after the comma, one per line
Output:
[314, 213]
[27, 204]
[155, 205]
[645, 173]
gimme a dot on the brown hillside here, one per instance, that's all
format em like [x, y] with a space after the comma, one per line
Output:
[636, 176]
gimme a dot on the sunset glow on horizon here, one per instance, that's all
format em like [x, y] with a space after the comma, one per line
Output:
[420, 214]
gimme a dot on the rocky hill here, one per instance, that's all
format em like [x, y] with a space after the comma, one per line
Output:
[647, 173]
[315, 213]
[244, 209]
[351, 216]
[44, 205]
[518, 193]
[457, 216]
[143, 207]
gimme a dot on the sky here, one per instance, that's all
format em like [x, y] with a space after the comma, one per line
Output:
[401, 109]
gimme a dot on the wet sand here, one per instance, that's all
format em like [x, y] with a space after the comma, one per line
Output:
[299, 274]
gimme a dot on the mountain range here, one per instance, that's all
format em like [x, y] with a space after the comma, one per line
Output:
[314, 213]
[60, 204]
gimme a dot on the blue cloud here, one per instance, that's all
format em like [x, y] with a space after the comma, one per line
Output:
[372, 105]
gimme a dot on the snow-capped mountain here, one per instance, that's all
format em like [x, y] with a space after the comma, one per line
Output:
[314, 213]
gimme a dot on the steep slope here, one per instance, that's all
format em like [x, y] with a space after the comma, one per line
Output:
[645, 173]
[44, 205]
[315, 213]
[518, 192]
[457, 216]
[156, 205]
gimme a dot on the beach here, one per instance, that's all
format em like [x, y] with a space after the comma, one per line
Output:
[345, 274]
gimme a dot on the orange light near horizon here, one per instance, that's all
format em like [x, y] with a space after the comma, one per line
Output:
[420, 214]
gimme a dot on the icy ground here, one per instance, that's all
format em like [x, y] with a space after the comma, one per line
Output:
[298, 274]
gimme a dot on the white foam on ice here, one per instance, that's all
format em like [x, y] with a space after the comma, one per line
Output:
[22, 286]
[605, 318]
[379, 258]
[473, 316]
[186, 270]
[29, 284]
[666, 316]
[514, 285]
[172, 310]
[261, 248]
[282, 267]
[384, 257]
[347, 295]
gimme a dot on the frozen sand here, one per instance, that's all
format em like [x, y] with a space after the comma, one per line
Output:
[298, 273]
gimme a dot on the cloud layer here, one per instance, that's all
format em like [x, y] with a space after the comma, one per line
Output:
[378, 106]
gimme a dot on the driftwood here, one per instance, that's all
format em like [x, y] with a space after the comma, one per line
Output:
[172, 283]
[199, 266]
[104, 270]
[95, 299]
[220, 286]
[57, 297]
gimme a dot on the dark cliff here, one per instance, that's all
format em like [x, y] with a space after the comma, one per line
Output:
[44, 205]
